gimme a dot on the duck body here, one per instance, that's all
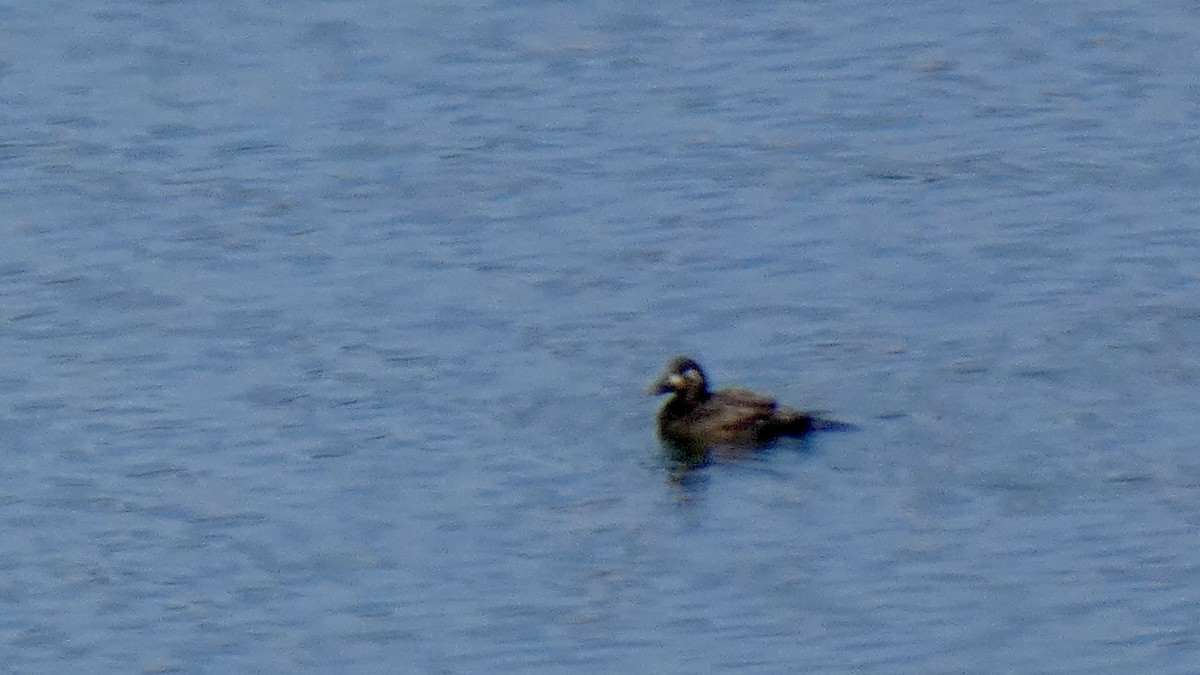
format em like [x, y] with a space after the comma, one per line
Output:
[695, 418]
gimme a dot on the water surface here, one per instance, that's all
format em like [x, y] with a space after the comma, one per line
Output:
[326, 327]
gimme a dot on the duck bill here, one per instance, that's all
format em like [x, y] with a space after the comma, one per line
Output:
[666, 384]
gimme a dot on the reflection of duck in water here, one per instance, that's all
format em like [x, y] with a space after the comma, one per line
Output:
[695, 419]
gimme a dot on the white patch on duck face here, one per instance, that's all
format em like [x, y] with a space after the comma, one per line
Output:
[676, 381]
[692, 374]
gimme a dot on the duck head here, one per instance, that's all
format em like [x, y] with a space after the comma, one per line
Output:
[682, 375]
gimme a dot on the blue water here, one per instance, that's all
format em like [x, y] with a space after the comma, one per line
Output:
[326, 326]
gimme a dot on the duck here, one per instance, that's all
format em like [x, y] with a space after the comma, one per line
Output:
[696, 419]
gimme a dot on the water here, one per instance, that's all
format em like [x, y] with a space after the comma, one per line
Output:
[326, 326]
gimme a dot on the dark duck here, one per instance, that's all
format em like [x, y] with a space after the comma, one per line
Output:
[695, 419]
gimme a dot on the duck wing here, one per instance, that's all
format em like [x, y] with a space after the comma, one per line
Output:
[762, 413]
[735, 416]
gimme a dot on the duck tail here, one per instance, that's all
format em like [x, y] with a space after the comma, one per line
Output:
[820, 423]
